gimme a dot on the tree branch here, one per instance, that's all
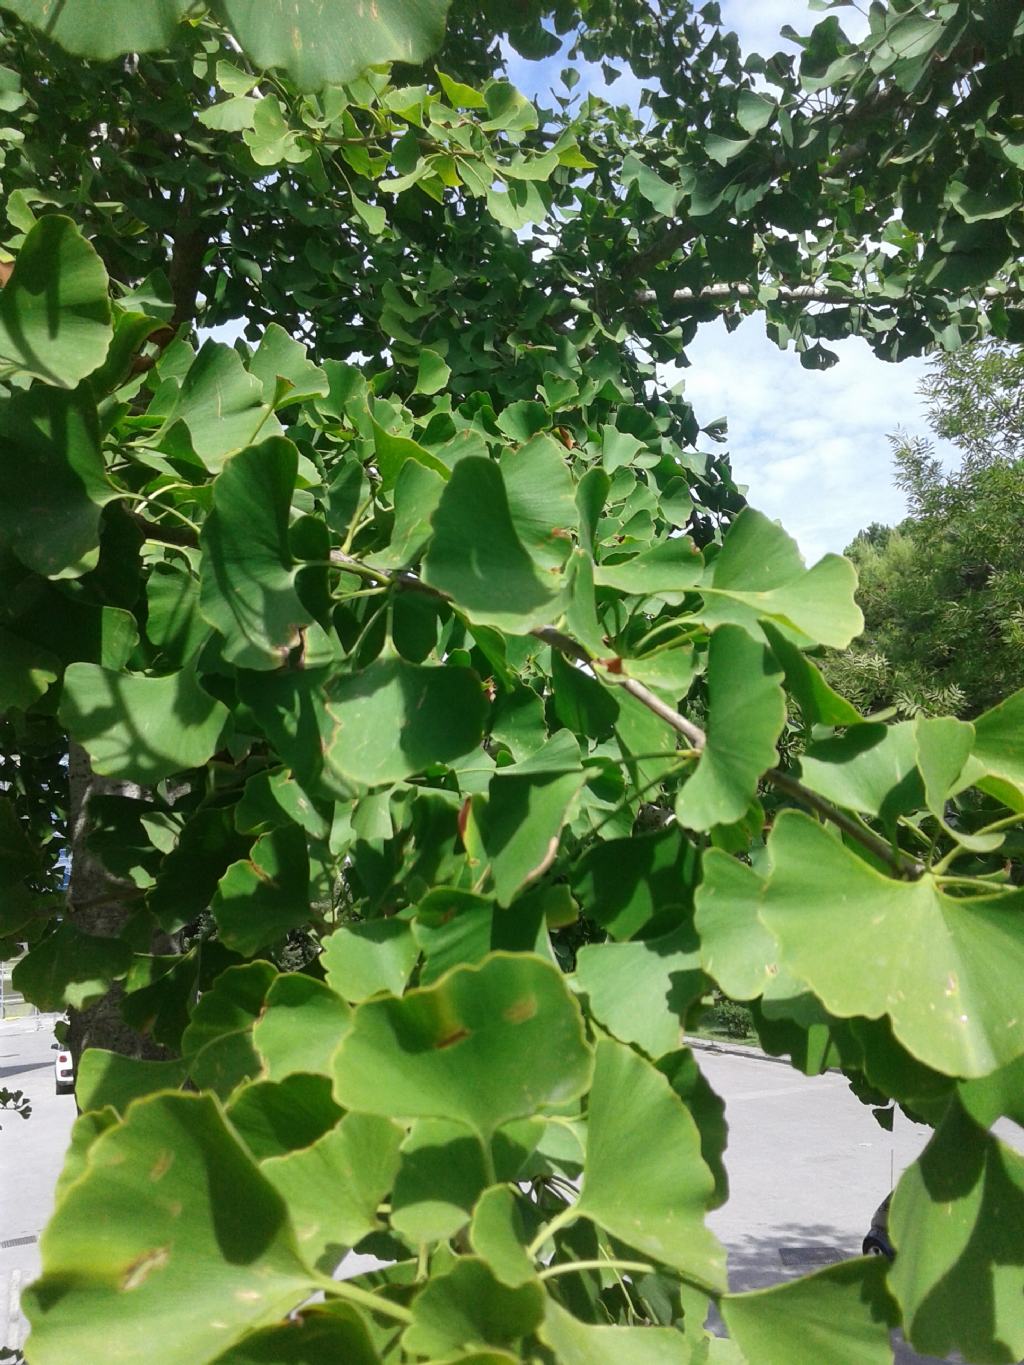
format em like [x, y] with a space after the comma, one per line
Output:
[908, 869]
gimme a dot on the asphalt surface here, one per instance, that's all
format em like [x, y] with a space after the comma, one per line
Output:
[31, 1155]
[807, 1166]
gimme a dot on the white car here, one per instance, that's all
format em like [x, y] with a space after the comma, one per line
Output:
[64, 1073]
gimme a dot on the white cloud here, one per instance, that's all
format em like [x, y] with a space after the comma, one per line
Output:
[810, 445]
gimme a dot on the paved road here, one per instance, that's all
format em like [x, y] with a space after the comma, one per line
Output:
[807, 1166]
[31, 1153]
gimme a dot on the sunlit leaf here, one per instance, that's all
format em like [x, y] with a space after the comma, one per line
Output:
[482, 1046]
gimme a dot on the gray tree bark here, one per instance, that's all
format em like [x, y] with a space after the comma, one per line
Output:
[98, 904]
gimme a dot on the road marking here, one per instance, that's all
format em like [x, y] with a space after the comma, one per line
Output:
[766, 1094]
[12, 1336]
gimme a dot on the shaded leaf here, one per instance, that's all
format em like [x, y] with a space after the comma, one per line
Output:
[141, 729]
[53, 486]
[476, 555]
[320, 47]
[654, 1202]
[108, 1078]
[469, 1307]
[956, 1220]
[395, 718]
[746, 713]
[248, 582]
[54, 309]
[261, 897]
[153, 1184]
[218, 1044]
[334, 1186]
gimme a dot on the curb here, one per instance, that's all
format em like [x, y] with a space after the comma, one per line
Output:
[736, 1050]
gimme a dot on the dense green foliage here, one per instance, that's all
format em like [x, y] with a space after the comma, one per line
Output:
[943, 592]
[437, 685]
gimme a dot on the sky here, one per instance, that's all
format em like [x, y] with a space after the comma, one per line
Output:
[811, 446]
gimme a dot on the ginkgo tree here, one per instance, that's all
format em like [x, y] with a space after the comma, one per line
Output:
[442, 726]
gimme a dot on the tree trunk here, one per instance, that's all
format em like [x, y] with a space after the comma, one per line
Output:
[98, 905]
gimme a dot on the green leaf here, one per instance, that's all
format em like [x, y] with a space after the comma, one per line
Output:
[724, 149]
[944, 746]
[141, 729]
[299, 1027]
[656, 191]
[156, 1184]
[395, 718]
[248, 582]
[498, 1236]
[280, 357]
[671, 566]
[230, 115]
[334, 1185]
[108, 1078]
[319, 47]
[819, 704]
[432, 374]
[441, 1176]
[956, 1221]
[469, 1307]
[394, 451]
[477, 558]
[53, 485]
[482, 1046]
[26, 671]
[527, 805]
[274, 1118]
[221, 405]
[753, 112]
[945, 970]
[127, 26]
[735, 947]
[999, 742]
[70, 968]
[375, 218]
[54, 310]
[271, 140]
[655, 1201]
[581, 1343]
[218, 1044]
[626, 884]
[640, 991]
[333, 1332]
[541, 499]
[460, 96]
[746, 713]
[759, 572]
[871, 768]
[842, 1314]
[260, 898]
[366, 959]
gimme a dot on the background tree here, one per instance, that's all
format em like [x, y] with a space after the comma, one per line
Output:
[419, 633]
[943, 592]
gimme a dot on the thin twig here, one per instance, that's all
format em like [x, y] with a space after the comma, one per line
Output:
[908, 869]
